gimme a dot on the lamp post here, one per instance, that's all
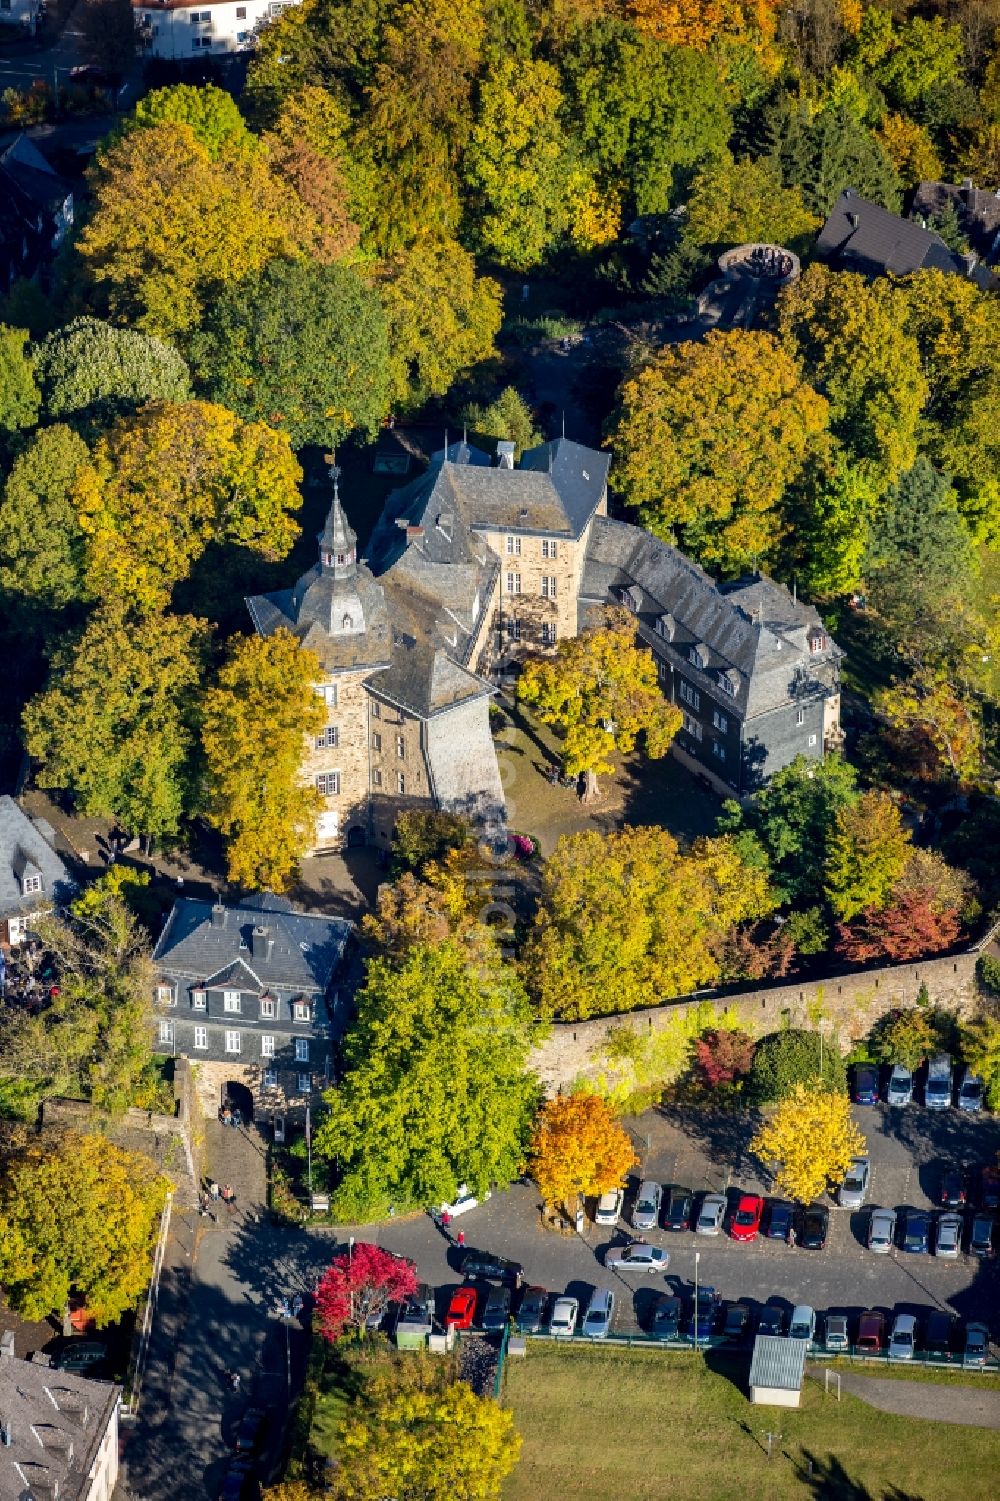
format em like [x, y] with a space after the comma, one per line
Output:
[697, 1258]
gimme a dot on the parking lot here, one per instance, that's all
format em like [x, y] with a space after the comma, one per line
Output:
[909, 1149]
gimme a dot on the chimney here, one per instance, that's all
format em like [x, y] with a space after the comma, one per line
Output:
[968, 191]
[505, 454]
[219, 915]
[853, 220]
[970, 260]
[6, 1346]
[261, 943]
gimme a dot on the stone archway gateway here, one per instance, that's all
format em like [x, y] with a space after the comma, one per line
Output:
[356, 836]
[238, 1097]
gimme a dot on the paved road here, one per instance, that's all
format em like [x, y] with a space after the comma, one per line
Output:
[922, 1399]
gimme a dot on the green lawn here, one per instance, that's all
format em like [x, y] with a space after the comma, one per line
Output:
[616, 1424]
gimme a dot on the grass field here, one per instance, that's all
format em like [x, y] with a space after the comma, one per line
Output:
[616, 1424]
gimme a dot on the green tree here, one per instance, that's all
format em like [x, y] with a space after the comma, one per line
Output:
[600, 689]
[981, 1050]
[709, 437]
[737, 202]
[91, 372]
[19, 397]
[904, 1035]
[435, 1091]
[867, 854]
[508, 416]
[78, 1215]
[301, 347]
[115, 725]
[823, 153]
[41, 543]
[211, 113]
[265, 696]
[627, 920]
[786, 1061]
[442, 318]
[924, 54]
[789, 823]
[421, 836]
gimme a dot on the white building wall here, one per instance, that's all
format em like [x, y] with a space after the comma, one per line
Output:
[104, 1471]
[180, 32]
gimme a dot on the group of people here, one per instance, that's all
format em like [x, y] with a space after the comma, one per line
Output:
[230, 1116]
[442, 1218]
[211, 1192]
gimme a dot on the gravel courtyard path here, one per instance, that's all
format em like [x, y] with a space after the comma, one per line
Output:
[920, 1399]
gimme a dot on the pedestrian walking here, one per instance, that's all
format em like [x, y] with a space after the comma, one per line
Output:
[228, 1197]
[446, 1222]
[213, 1189]
[460, 1239]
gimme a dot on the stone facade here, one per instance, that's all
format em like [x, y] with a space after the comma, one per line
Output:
[846, 1004]
[336, 761]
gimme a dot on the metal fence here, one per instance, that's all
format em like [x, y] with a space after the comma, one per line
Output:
[684, 1344]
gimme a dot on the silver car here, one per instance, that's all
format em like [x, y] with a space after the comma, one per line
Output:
[713, 1212]
[637, 1257]
[564, 1316]
[854, 1188]
[948, 1236]
[597, 1320]
[646, 1213]
[882, 1231]
[900, 1091]
[609, 1207]
[903, 1340]
[803, 1323]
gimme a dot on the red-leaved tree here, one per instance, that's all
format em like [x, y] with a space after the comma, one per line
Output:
[911, 927]
[356, 1289]
[722, 1056]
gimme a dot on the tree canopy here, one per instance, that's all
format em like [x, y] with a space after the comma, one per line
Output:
[41, 541]
[810, 1140]
[579, 1148]
[91, 372]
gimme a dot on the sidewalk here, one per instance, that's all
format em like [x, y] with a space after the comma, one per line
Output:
[924, 1399]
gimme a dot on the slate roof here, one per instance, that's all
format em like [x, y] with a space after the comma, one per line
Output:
[864, 237]
[318, 602]
[778, 1362]
[306, 953]
[978, 212]
[56, 1421]
[24, 850]
[752, 627]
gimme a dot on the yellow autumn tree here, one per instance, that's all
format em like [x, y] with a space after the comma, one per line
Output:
[578, 1148]
[930, 715]
[255, 723]
[164, 483]
[868, 852]
[600, 689]
[910, 149]
[809, 1141]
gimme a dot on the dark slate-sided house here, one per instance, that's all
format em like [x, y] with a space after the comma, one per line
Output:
[865, 237]
[33, 878]
[752, 669]
[250, 994]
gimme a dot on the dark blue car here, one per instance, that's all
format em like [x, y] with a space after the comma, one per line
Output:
[707, 1311]
[917, 1232]
[866, 1084]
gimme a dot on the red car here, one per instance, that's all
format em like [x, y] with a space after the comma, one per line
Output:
[746, 1220]
[461, 1309]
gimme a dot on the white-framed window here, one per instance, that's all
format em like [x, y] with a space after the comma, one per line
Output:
[718, 750]
[514, 547]
[550, 548]
[328, 783]
[693, 727]
[696, 655]
[201, 1037]
[302, 1050]
[689, 695]
[166, 1032]
[548, 633]
[31, 885]
[301, 1011]
[812, 741]
[270, 1078]
[268, 1008]
[400, 783]
[376, 776]
[376, 708]
[727, 685]
[266, 1045]
[662, 670]
[199, 1000]
[329, 739]
[305, 1084]
[720, 721]
[513, 583]
[165, 995]
[513, 628]
[548, 586]
[376, 740]
[401, 747]
[800, 716]
[233, 1044]
[817, 642]
[328, 693]
[230, 1000]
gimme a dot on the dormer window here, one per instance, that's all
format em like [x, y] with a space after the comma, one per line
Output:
[631, 598]
[729, 682]
[666, 627]
[817, 641]
[347, 622]
[698, 655]
[31, 885]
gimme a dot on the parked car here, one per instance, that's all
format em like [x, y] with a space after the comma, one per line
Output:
[236, 1480]
[464, 1201]
[704, 1312]
[940, 1334]
[772, 1319]
[836, 1337]
[250, 1433]
[711, 1215]
[989, 1188]
[609, 1207]
[665, 1317]
[680, 1205]
[871, 1332]
[638, 1256]
[496, 1311]
[736, 1325]
[82, 1355]
[494, 1268]
[564, 1316]
[533, 1311]
[647, 1205]
[417, 1311]
[600, 1309]
[866, 1084]
[937, 1090]
[903, 1339]
[882, 1230]
[855, 1185]
[977, 1345]
[803, 1323]
[746, 1220]
[916, 1232]
[779, 1220]
[970, 1092]
[461, 1308]
[948, 1236]
[813, 1227]
[982, 1236]
[900, 1089]
[952, 1191]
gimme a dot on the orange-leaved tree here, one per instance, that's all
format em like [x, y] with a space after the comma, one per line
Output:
[578, 1148]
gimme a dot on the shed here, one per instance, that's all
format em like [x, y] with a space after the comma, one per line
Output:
[776, 1370]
